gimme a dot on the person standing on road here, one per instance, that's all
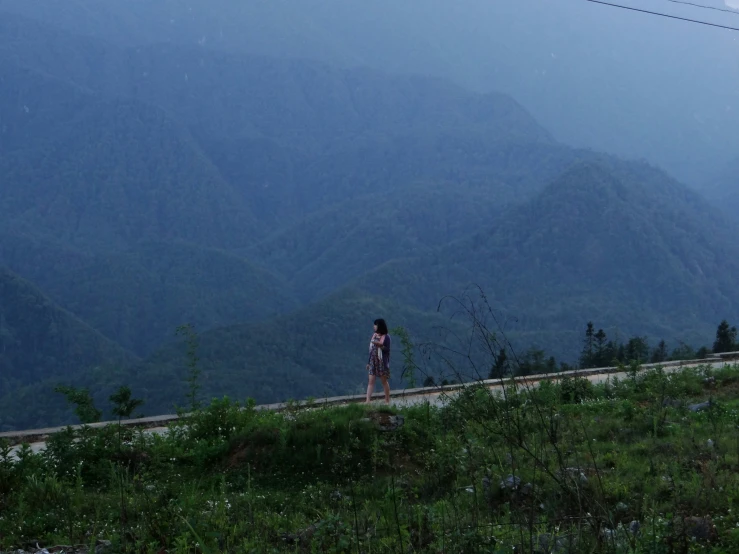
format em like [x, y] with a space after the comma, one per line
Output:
[378, 364]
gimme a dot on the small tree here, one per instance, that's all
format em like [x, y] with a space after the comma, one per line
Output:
[500, 367]
[660, 354]
[409, 363]
[193, 374]
[702, 353]
[637, 350]
[588, 351]
[123, 406]
[683, 352]
[603, 350]
[725, 338]
[533, 362]
[85, 408]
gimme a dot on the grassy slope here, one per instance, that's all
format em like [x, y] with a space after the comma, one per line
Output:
[591, 462]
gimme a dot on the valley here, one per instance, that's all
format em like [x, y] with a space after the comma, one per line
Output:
[279, 204]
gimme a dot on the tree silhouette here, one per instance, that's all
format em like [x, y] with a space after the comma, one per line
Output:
[660, 354]
[500, 368]
[725, 338]
[84, 405]
[588, 351]
[603, 354]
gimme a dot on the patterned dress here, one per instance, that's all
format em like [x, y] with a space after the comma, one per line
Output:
[379, 358]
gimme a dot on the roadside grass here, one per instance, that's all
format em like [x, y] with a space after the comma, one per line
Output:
[649, 463]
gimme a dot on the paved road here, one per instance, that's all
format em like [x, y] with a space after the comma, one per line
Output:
[438, 397]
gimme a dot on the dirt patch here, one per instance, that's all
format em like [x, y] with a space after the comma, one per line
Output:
[386, 421]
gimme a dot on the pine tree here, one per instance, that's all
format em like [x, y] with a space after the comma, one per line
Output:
[660, 354]
[725, 338]
[683, 352]
[588, 351]
[637, 350]
[500, 368]
[602, 355]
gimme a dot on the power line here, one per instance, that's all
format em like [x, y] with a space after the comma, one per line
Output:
[727, 10]
[665, 15]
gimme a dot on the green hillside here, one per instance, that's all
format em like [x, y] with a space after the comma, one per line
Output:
[330, 247]
[139, 296]
[115, 173]
[583, 82]
[316, 351]
[39, 340]
[280, 205]
[621, 243]
[230, 95]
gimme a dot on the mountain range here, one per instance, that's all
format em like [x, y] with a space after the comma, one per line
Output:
[652, 96]
[280, 205]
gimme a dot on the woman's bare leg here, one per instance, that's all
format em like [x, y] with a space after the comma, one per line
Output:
[370, 388]
[386, 386]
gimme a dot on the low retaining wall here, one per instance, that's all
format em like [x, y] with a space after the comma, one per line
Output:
[40, 435]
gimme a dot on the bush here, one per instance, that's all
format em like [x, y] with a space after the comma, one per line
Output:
[574, 390]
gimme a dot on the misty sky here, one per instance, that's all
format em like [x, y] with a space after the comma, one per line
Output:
[628, 83]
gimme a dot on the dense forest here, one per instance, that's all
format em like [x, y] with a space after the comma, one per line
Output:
[38, 339]
[279, 205]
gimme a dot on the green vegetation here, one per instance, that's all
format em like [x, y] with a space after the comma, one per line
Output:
[611, 237]
[633, 465]
[599, 351]
[85, 409]
[725, 338]
[39, 340]
[280, 205]
[140, 296]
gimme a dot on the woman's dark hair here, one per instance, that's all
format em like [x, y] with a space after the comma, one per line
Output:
[381, 326]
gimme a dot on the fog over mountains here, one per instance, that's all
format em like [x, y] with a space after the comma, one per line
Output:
[278, 174]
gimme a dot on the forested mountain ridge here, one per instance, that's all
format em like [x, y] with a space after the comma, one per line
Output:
[302, 126]
[39, 340]
[566, 62]
[281, 205]
[318, 350]
[107, 149]
[317, 256]
[459, 184]
[226, 95]
[139, 296]
[293, 135]
[109, 173]
[623, 241]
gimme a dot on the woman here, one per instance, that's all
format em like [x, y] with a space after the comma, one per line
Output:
[379, 360]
